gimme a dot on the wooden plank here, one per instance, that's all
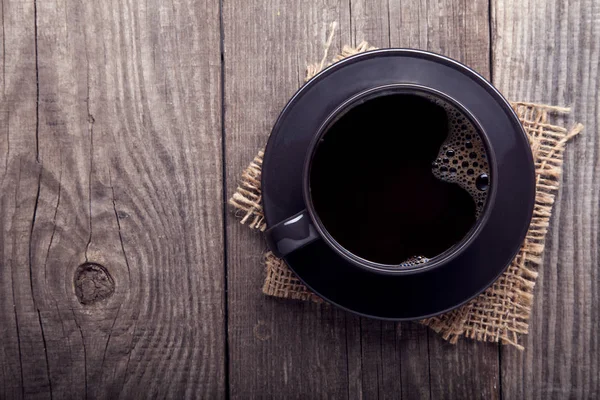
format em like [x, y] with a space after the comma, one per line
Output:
[278, 348]
[126, 175]
[548, 52]
[466, 370]
[370, 21]
[457, 29]
[23, 368]
[387, 360]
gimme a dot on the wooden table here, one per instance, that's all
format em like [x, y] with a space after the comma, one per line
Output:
[124, 126]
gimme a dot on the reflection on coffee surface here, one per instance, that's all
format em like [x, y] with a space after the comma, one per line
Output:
[400, 178]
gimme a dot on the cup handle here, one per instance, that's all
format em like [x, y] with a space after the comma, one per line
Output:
[287, 236]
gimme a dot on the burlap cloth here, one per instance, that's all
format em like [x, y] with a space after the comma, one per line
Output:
[501, 313]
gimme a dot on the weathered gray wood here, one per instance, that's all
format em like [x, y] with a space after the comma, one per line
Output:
[457, 29]
[387, 360]
[466, 370]
[23, 368]
[370, 21]
[548, 52]
[278, 348]
[111, 154]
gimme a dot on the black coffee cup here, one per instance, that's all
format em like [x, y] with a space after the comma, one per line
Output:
[409, 102]
[397, 184]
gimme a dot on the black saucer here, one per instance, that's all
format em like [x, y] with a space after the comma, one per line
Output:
[417, 295]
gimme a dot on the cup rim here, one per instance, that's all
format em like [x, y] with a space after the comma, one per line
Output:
[395, 269]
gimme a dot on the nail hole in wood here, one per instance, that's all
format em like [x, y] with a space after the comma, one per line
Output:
[93, 283]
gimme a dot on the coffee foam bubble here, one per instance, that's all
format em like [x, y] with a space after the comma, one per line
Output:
[462, 158]
[414, 261]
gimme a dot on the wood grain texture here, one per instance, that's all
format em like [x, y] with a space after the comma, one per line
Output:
[454, 28]
[111, 153]
[277, 348]
[548, 52]
[111, 150]
[466, 370]
[23, 364]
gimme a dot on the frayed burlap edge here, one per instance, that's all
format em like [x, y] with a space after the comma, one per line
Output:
[502, 312]
[247, 197]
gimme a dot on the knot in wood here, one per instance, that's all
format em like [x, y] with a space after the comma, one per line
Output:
[93, 283]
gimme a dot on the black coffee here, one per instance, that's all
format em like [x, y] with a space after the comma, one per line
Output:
[393, 181]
